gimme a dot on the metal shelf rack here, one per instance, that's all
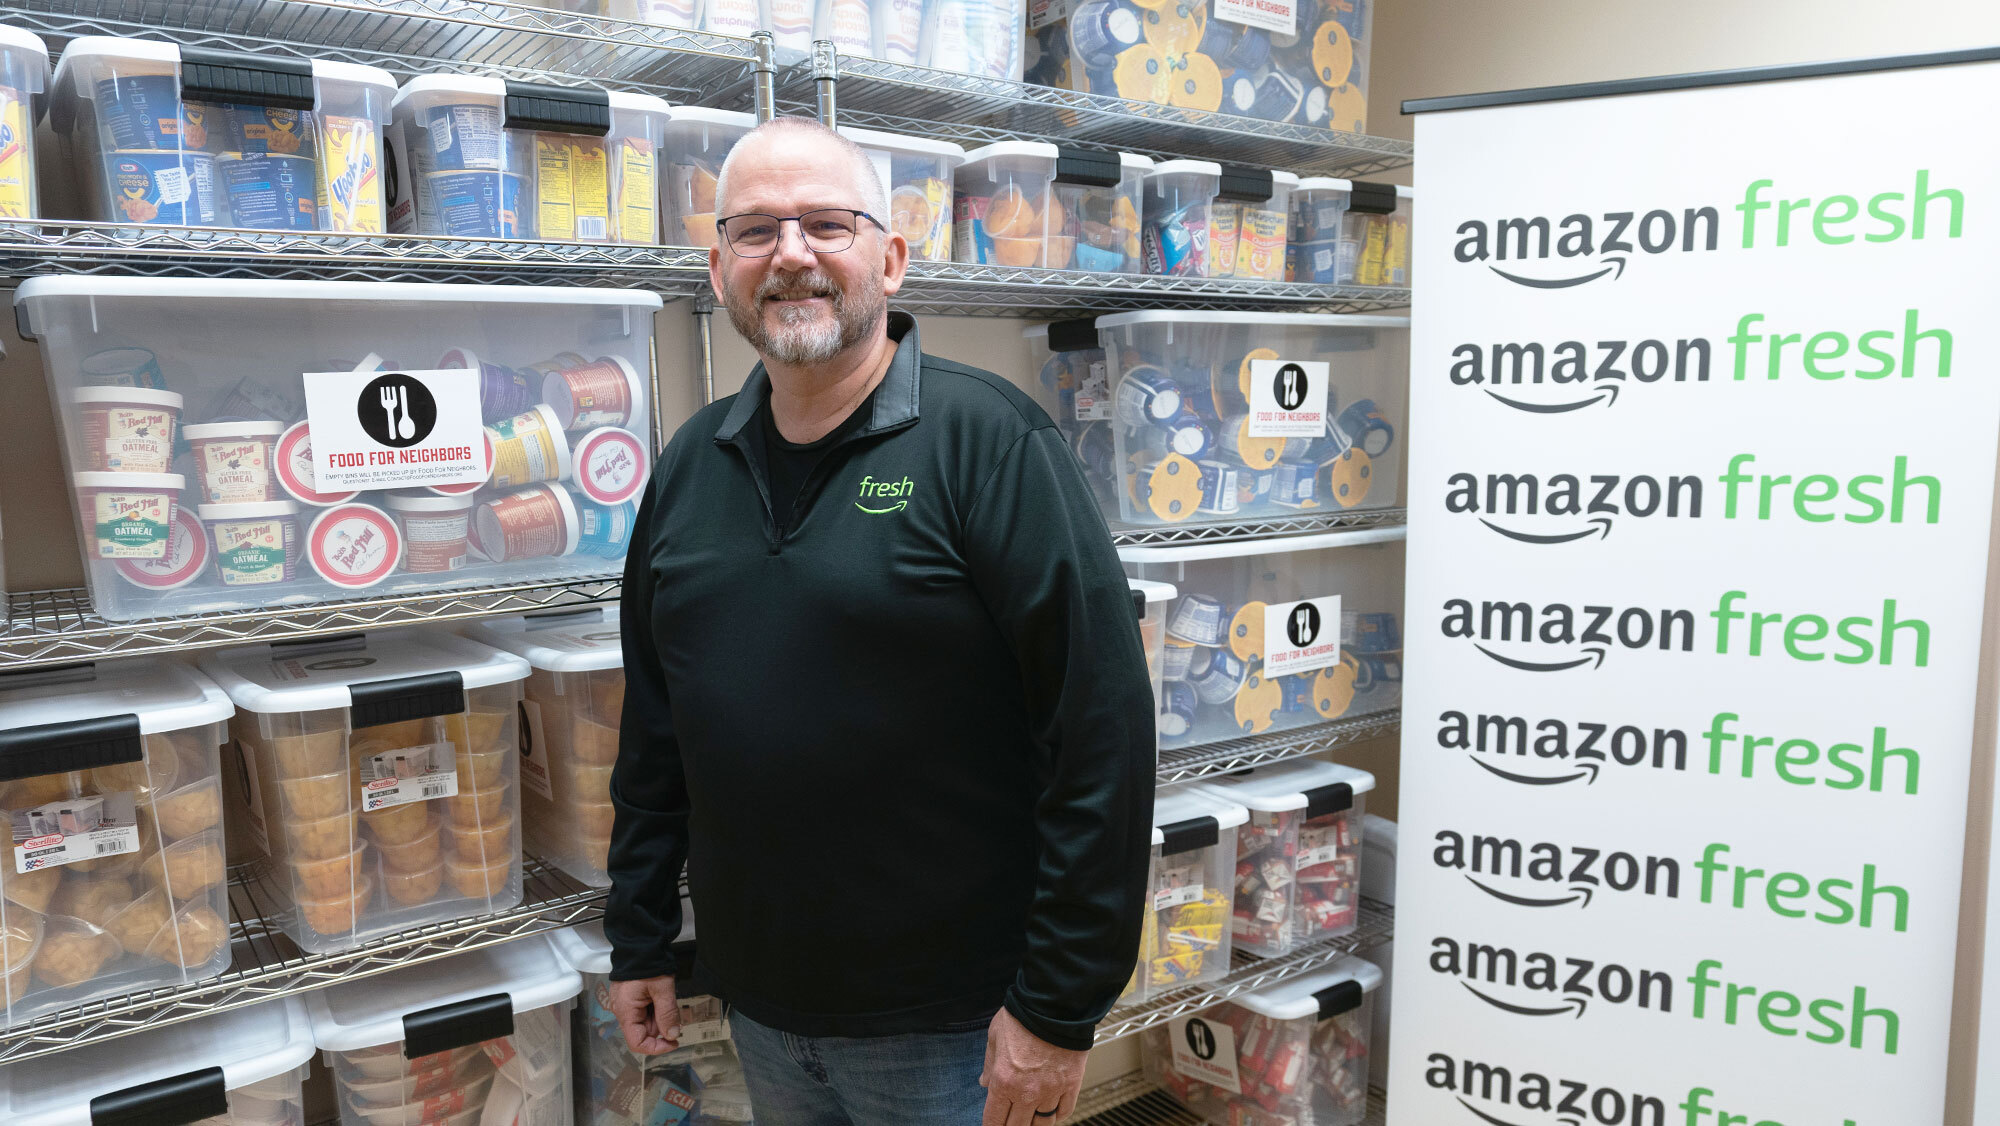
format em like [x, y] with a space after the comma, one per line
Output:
[1304, 523]
[1131, 1101]
[1209, 759]
[1249, 972]
[54, 627]
[972, 110]
[966, 289]
[267, 964]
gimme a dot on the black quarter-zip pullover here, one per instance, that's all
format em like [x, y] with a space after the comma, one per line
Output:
[904, 740]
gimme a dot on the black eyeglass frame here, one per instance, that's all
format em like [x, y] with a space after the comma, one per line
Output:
[722, 229]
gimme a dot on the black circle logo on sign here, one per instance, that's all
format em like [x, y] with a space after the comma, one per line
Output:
[396, 410]
[1289, 386]
[1200, 1039]
[1302, 625]
[527, 729]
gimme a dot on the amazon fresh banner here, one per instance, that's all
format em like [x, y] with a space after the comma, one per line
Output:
[1704, 411]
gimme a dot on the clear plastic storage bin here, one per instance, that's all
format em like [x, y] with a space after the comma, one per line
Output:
[659, 13]
[916, 176]
[256, 1059]
[381, 779]
[1188, 898]
[477, 1038]
[201, 392]
[1248, 222]
[1185, 55]
[697, 141]
[1298, 860]
[1174, 204]
[1153, 601]
[478, 157]
[180, 136]
[574, 698]
[1292, 1054]
[1230, 417]
[982, 38]
[114, 876]
[1336, 599]
[1029, 203]
[1349, 233]
[701, 1080]
[1072, 383]
[24, 80]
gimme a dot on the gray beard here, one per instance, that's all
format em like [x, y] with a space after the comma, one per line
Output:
[802, 338]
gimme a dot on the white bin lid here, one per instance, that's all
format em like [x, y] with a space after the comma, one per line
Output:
[355, 74]
[90, 48]
[1283, 545]
[1276, 789]
[304, 678]
[1154, 591]
[165, 694]
[398, 293]
[1185, 168]
[1405, 191]
[587, 951]
[1325, 184]
[1295, 997]
[1286, 181]
[1185, 803]
[250, 1045]
[369, 1012]
[896, 142]
[639, 103]
[1276, 320]
[1033, 150]
[582, 642]
[702, 115]
[16, 39]
[440, 87]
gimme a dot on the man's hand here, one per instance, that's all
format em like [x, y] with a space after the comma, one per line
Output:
[649, 1014]
[1028, 1081]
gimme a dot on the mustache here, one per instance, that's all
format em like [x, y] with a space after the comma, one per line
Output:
[805, 283]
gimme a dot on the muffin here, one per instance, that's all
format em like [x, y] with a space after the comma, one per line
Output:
[188, 868]
[72, 952]
[135, 926]
[412, 888]
[94, 899]
[398, 824]
[322, 837]
[420, 851]
[197, 935]
[190, 809]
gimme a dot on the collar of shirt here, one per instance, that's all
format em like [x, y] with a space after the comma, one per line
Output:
[895, 397]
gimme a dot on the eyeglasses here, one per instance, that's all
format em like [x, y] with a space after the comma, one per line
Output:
[828, 230]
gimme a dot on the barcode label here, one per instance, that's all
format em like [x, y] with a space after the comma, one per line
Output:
[590, 226]
[436, 790]
[106, 848]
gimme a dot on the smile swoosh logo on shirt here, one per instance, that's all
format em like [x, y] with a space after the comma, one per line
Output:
[897, 507]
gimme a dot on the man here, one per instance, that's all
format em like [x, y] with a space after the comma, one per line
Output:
[885, 695]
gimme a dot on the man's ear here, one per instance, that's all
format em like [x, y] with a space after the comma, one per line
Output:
[895, 262]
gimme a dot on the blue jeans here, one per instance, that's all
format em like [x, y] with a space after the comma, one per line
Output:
[917, 1079]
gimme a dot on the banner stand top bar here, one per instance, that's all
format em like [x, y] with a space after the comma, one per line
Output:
[1697, 80]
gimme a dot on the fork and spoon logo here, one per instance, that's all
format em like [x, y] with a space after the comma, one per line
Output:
[397, 410]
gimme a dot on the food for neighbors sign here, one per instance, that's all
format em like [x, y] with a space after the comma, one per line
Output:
[1705, 402]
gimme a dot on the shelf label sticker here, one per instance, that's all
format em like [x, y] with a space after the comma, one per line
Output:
[407, 774]
[535, 751]
[1301, 636]
[1278, 16]
[1287, 398]
[73, 829]
[396, 429]
[1173, 887]
[1206, 1050]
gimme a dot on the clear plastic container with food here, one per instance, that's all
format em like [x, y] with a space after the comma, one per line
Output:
[113, 880]
[1233, 417]
[180, 136]
[380, 779]
[702, 1079]
[695, 143]
[1030, 203]
[1248, 222]
[916, 175]
[24, 82]
[1186, 940]
[1175, 199]
[522, 416]
[480, 157]
[1298, 858]
[1072, 383]
[1152, 601]
[1349, 233]
[1297, 1053]
[1271, 635]
[574, 698]
[243, 1067]
[982, 38]
[480, 1037]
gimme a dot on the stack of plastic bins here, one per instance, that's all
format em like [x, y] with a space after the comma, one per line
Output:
[244, 1067]
[480, 157]
[1153, 600]
[24, 78]
[481, 1037]
[1187, 936]
[1349, 233]
[916, 176]
[574, 698]
[1029, 203]
[242, 516]
[695, 143]
[1292, 1054]
[1298, 860]
[1234, 417]
[702, 1078]
[382, 779]
[271, 144]
[1247, 224]
[115, 882]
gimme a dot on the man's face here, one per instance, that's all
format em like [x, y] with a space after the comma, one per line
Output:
[794, 306]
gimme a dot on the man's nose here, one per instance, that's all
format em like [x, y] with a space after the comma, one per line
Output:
[792, 252]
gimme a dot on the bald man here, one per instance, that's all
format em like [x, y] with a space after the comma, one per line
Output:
[885, 696]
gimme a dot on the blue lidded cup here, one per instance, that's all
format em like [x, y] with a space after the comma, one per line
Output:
[269, 192]
[479, 204]
[603, 530]
[164, 187]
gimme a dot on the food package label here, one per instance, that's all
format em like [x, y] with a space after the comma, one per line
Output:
[17, 133]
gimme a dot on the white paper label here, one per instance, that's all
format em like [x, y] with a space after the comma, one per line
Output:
[1287, 399]
[441, 132]
[173, 185]
[1174, 886]
[1280, 16]
[1205, 1050]
[1301, 636]
[702, 1021]
[1042, 13]
[1093, 399]
[408, 774]
[1320, 844]
[395, 429]
[535, 754]
[64, 832]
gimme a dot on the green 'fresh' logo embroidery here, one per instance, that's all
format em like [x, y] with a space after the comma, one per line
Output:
[871, 489]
